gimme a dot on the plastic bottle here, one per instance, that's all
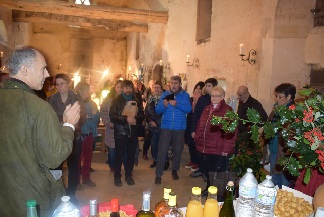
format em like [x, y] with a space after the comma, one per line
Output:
[194, 208]
[247, 190]
[164, 202]
[31, 208]
[114, 208]
[228, 207]
[66, 209]
[171, 210]
[266, 198]
[211, 208]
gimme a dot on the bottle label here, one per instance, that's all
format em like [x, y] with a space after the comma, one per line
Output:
[266, 196]
[247, 192]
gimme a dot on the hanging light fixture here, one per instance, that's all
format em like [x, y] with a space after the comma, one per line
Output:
[82, 2]
[86, 2]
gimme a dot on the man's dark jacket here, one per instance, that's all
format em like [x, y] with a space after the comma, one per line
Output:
[203, 101]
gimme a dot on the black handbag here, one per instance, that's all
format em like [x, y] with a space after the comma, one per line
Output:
[220, 179]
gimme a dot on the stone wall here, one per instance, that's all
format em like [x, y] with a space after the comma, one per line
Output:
[277, 30]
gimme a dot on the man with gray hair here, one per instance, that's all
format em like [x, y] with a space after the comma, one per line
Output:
[174, 106]
[246, 101]
[31, 137]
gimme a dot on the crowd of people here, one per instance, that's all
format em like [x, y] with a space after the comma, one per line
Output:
[63, 127]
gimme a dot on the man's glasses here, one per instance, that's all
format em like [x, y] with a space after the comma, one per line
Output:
[280, 96]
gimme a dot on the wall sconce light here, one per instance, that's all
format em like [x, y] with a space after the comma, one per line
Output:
[249, 57]
[194, 64]
[59, 67]
[166, 66]
[314, 11]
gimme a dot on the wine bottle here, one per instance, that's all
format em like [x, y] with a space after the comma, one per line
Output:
[228, 208]
[114, 208]
[146, 212]
[171, 210]
[164, 202]
[31, 208]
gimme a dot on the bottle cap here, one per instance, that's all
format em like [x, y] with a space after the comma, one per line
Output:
[93, 202]
[167, 191]
[172, 199]
[167, 188]
[65, 198]
[268, 177]
[146, 194]
[31, 203]
[196, 190]
[212, 190]
[114, 205]
[230, 183]
[249, 170]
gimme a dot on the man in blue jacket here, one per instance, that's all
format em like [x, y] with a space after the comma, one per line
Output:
[174, 106]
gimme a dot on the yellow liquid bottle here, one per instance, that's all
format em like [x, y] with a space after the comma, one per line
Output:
[195, 208]
[211, 208]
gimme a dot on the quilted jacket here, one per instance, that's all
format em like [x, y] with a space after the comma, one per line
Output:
[174, 117]
[211, 139]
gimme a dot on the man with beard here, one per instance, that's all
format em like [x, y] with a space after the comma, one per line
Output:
[125, 128]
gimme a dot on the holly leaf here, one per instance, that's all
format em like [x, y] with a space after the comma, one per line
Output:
[268, 130]
[291, 165]
[232, 126]
[306, 92]
[255, 133]
[253, 116]
[307, 176]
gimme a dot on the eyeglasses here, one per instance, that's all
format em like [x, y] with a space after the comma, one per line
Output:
[280, 96]
[216, 95]
[60, 84]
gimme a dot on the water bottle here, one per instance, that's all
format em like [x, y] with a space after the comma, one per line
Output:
[266, 198]
[66, 209]
[247, 193]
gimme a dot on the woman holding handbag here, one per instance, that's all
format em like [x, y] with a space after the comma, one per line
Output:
[213, 144]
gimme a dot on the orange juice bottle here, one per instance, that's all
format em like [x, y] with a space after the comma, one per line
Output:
[211, 208]
[194, 208]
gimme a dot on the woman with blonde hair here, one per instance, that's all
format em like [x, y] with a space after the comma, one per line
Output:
[211, 141]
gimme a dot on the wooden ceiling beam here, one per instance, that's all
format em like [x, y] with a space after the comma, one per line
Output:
[89, 11]
[110, 25]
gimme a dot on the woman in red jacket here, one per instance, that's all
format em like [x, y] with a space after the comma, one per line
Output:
[211, 141]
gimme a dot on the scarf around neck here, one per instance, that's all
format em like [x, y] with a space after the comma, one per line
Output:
[127, 98]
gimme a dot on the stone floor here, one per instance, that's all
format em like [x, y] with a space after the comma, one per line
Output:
[144, 177]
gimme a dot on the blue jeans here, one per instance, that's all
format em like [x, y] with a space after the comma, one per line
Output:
[277, 179]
